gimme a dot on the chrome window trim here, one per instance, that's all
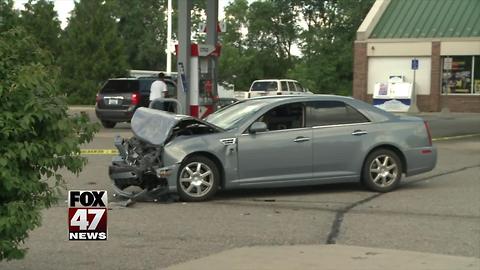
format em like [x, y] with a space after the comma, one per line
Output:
[341, 125]
[276, 131]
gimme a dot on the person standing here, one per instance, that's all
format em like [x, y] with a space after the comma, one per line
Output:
[158, 89]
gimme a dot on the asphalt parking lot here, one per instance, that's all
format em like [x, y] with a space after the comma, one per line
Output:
[437, 212]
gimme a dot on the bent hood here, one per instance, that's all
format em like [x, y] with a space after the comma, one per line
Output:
[155, 126]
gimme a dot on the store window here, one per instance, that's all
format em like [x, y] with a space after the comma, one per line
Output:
[461, 75]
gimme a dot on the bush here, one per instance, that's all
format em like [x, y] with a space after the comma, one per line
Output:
[37, 138]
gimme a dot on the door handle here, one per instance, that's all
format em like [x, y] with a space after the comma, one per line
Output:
[301, 139]
[359, 132]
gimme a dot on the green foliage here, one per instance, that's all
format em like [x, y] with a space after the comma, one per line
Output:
[143, 29]
[327, 44]
[41, 20]
[323, 30]
[8, 16]
[258, 41]
[92, 51]
[37, 138]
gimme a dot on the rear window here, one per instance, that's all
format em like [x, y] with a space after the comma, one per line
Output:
[120, 86]
[145, 85]
[264, 86]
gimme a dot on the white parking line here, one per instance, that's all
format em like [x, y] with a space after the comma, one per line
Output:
[455, 137]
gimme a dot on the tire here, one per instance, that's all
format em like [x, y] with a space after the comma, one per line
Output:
[108, 124]
[382, 171]
[198, 179]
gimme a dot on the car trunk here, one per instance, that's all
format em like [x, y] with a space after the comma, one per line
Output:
[119, 94]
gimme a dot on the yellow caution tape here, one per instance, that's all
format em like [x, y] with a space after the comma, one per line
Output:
[99, 151]
[115, 151]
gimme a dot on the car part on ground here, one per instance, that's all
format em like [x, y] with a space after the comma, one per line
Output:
[140, 163]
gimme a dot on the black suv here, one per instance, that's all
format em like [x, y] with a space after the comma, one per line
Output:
[119, 98]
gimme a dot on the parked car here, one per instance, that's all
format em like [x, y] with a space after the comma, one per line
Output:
[119, 98]
[276, 87]
[241, 95]
[271, 142]
[224, 102]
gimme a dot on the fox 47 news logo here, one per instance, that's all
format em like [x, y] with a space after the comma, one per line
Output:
[87, 215]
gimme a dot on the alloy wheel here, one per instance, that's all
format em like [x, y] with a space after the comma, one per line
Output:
[383, 171]
[196, 179]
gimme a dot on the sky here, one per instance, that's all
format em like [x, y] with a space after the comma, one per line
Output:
[63, 8]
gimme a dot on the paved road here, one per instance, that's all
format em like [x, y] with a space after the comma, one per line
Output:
[438, 212]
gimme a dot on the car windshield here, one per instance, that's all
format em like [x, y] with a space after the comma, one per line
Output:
[264, 86]
[234, 115]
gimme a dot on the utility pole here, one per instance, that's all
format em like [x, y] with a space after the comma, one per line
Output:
[212, 39]
[168, 50]
[183, 57]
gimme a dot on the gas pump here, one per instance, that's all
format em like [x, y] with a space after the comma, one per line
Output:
[203, 90]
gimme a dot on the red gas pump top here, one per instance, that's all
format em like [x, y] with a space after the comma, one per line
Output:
[202, 50]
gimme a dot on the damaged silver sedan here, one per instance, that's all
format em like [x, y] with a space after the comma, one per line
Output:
[270, 142]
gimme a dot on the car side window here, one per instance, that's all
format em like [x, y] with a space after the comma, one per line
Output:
[291, 87]
[331, 112]
[284, 86]
[287, 116]
[299, 87]
[171, 90]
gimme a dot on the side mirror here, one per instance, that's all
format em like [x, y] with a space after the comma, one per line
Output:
[258, 127]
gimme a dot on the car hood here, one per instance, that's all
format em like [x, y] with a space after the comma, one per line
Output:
[155, 126]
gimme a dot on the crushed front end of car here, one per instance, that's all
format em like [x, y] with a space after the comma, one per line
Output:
[140, 168]
[136, 166]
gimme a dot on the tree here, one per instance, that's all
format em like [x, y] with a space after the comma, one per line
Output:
[273, 25]
[327, 43]
[37, 138]
[92, 51]
[41, 20]
[234, 60]
[236, 19]
[8, 16]
[142, 26]
[258, 41]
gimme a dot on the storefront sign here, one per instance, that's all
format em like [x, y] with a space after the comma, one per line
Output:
[447, 63]
[414, 64]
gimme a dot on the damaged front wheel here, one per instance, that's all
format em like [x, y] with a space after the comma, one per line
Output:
[198, 179]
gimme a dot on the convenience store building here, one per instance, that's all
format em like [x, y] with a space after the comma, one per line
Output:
[443, 35]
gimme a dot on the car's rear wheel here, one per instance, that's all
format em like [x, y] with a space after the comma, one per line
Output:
[382, 171]
[198, 179]
[108, 124]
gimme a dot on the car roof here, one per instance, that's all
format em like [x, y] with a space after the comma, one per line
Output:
[308, 97]
[131, 79]
[138, 78]
[271, 80]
